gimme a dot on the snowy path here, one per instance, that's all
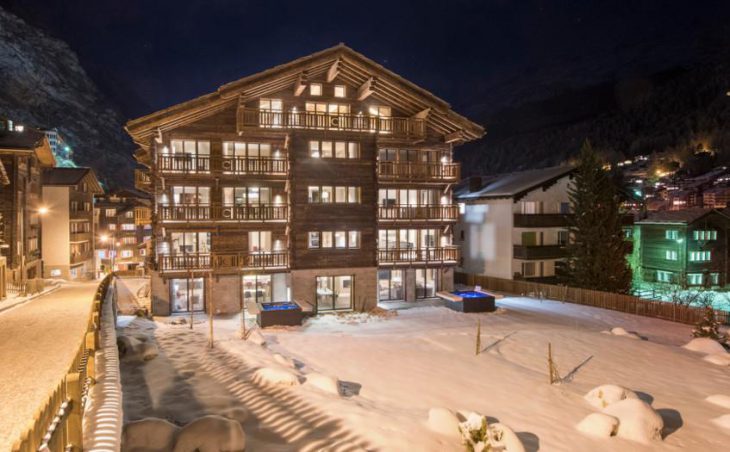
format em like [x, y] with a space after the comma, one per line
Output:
[126, 290]
[38, 341]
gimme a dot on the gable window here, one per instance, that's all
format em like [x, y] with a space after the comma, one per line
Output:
[671, 234]
[670, 255]
[704, 235]
[340, 91]
[315, 89]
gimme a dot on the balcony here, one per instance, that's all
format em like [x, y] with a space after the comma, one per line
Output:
[233, 165]
[419, 171]
[435, 255]
[183, 164]
[81, 257]
[541, 220]
[409, 128]
[184, 262]
[529, 252]
[264, 260]
[262, 166]
[435, 212]
[142, 180]
[80, 237]
[215, 212]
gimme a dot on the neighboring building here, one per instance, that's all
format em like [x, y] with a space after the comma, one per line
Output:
[68, 228]
[716, 198]
[124, 230]
[61, 150]
[23, 153]
[686, 247]
[326, 181]
[514, 226]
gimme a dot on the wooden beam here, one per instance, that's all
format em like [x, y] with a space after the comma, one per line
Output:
[454, 136]
[333, 71]
[366, 89]
[301, 84]
[423, 114]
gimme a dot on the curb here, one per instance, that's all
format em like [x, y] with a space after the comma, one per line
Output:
[32, 297]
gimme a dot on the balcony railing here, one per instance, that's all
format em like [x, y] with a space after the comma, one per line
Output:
[444, 254]
[529, 252]
[398, 127]
[142, 180]
[80, 236]
[256, 166]
[418, 171]
[187, 261]
[216, 212]
[251, 260]
[541, 220]
[435, 212]
[81, 257]
[183, 163]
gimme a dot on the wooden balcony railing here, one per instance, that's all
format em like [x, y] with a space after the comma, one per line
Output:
[443, 254]
[436, 212]
[142, 180]
[80, 236]
[419, 171]
[256, 166]
[183, 163]
[529, 252]
[217, 212]
[398, 127]
[186, 261]
[81, 257]
[251, 260]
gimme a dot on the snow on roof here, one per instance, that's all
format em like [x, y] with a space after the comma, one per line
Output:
[27, 139]
[512, 185]
[684, 216]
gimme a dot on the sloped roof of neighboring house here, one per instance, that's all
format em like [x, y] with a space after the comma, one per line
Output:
[512, 185]
[28, 140]
[71, 176]
[340, 61]
[684, 216]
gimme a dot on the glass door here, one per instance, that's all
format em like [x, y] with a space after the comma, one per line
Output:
[187, 294]
[425, 282]
[390, 285]
[334, 292]
[257, 288]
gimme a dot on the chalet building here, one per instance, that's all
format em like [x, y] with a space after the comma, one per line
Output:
[514, 226]
[24, 152]
[124, 230]
[326, 181]
[716, 197]
[68, 228]
[685, 247]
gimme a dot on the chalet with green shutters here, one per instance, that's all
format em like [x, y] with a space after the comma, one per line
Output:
[685, 247]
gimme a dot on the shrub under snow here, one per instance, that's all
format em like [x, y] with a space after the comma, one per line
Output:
[637, 420]
[284, 361]
[605, 395]
[211, 434]
[151, 434]
[444, 421]
[274, 376]
[479, 436]
[323, 382]
[618, 331]
[705, 345]
[598, 424]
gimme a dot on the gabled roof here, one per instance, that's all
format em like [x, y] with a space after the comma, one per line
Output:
[512, 185]
[684, 216]
[352, 67]
[72, 176]
[28, 140]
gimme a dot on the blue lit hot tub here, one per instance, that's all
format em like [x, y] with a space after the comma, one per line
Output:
[283, 313]
[469, 301]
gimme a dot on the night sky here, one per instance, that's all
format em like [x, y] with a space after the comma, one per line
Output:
[147, 55]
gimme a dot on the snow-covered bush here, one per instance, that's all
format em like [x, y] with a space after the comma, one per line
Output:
[323, 382]
[274, 376]
[605, 395]
[718, 359]
[618, 331]
[709, 326]
[600, 425]
[444, 421]
[637, 420]
[479, 436]
[210, 434]
[150, 434]
[705, 345]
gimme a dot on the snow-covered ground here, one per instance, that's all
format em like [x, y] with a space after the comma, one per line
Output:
[392, 370]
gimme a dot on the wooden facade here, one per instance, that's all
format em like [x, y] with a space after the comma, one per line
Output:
[330, 166]
[125, 224]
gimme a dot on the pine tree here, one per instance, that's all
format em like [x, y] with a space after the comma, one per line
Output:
[597, 252]
[708, 326]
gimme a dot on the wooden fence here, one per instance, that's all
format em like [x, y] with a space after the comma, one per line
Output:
[606, 300]
[57, 424]
[28, 287]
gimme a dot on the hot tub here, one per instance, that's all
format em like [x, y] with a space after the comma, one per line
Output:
[283, 313]
[469, 301]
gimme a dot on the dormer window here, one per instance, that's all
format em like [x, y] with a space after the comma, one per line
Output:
[315, 89]
[340, 91]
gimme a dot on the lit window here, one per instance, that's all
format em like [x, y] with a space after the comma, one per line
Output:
[671, 234]
[700, 256]
[662, 276]
[353, 195]
[327, 239]
[694, 279]
[340, 239]
[314, 149]
[314, 239]
[314, 195]
[705, 235]
[315, 89]
[354, 239]
[670, 255]
[340, 91]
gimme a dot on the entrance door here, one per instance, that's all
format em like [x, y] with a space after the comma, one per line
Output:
[390, 285]
[334, 292]
[425, 282]
[187, 294]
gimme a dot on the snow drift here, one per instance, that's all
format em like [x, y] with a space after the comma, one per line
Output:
[705, 345]
[637, 420]
[605, 395]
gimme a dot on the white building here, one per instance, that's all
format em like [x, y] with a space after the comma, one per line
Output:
[514, 225]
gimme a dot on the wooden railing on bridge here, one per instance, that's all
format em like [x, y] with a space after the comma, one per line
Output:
[57, 424]
[607, 300]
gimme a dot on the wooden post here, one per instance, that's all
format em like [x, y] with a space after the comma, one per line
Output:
[190, 302]
[554, 376]
[91, 366]
[242, 303]
[73, 423]
[479, 336]
[211, 307]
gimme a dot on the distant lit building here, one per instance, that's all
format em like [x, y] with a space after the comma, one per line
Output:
[124, 230]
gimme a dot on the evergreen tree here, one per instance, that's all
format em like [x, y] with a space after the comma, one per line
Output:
[709, 326]
[596, 253]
